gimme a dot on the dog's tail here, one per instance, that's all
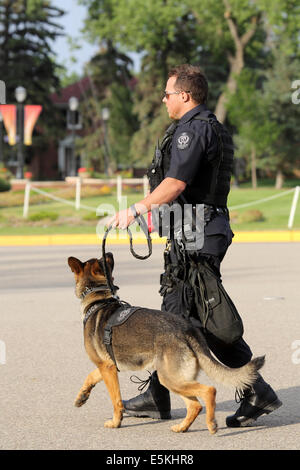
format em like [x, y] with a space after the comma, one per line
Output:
[239, 378]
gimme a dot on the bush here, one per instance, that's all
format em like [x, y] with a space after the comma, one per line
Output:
[5, 174]
[90, 216]
[253, 215]
[4, 185]
[42, 215]
[234, 217]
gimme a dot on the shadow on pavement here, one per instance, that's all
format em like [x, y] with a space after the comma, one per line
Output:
[288, 413]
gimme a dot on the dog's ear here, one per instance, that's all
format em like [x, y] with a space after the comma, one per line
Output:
[96, 268]
[75, 264]
[110, 261]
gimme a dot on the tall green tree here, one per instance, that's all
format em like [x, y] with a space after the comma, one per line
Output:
[240, 30]
[106, 145]
[225, 37]
[184, 31]
[123, 123]
[256, 133]
[266, 119]
[283, 113]
[165, 35]
[27, 31]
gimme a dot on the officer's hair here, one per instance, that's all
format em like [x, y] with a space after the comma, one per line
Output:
[191, 78]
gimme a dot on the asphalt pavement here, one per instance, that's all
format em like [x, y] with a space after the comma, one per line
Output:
[43, 362]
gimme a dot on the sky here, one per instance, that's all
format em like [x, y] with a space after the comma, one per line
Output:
[73, 22]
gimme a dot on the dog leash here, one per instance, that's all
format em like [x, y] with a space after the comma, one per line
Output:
[125, 310]
[142, 223]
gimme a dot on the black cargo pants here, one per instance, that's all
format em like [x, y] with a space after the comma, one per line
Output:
[217, 239]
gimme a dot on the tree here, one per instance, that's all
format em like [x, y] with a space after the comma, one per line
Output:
[248, 110]
[111, 85]
[123, 123]
[27, 28]
[283, 113]
[163, 32]
[240, 29]
[225, 37]
[233, 29]
[266, 120]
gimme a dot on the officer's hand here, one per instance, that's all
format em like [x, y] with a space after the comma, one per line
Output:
[121, 219]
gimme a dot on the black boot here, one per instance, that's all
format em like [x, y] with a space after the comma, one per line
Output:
[255, 401]
[154, 403]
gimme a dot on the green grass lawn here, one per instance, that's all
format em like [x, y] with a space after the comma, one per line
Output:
[275, 213]
[69, 220]
[64, 219]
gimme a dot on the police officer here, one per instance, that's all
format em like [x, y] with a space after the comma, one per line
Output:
[193, 165]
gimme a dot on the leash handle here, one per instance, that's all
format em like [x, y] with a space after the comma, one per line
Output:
[142, 223]
[149, 243]
[144, 226]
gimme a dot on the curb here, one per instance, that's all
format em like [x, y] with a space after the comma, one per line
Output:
[93, 239]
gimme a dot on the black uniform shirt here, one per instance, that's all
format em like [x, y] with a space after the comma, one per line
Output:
[192, 142]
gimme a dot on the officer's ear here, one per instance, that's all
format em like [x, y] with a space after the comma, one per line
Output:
[186, 96]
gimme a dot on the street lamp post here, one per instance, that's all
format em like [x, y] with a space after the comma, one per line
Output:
[105, 118]
[73, 106]
[1, 139]
[2, 101]
[20, 94]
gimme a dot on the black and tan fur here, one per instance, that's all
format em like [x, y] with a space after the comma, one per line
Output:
[151, 339]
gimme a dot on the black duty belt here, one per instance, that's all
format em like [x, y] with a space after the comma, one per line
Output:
[210, 209]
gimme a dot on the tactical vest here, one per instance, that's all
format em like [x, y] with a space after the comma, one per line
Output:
[213, 184]
[162, 157]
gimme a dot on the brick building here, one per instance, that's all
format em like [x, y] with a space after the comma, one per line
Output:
[57, 159]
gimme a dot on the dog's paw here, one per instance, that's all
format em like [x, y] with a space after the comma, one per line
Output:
[112, 424]
[81, 399]
[178, 428]
[213, 427]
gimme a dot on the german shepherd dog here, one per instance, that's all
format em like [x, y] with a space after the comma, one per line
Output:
[150, 339]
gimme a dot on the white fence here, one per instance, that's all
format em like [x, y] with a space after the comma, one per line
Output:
[275, 196]
[77, 204]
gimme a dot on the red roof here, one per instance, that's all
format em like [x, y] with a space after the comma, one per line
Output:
[76, 89]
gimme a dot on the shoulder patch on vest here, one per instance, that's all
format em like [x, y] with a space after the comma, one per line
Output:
[184, 140]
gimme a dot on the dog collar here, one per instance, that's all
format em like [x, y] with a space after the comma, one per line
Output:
[101, 288]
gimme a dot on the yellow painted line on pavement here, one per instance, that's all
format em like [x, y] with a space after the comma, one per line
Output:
[267, 236]
[90, 239]
[71, 239]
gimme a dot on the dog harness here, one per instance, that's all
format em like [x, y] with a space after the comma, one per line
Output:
[120, 316]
